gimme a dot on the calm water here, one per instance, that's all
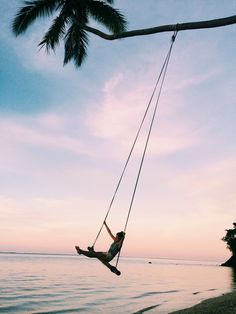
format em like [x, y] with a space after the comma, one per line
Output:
[74, 284]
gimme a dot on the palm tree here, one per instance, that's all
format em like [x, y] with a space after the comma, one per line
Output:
[68, 25]
[72, 24]
[230, 239]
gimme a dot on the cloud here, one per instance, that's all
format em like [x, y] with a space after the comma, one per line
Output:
[205, 188]
[195, 80]
[35, 59]
[26, 47]
[37, 224]
[165, 145]
[45, 131]
[179, 123]
[119, 115]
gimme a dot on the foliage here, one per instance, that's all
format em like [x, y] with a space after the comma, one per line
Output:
[68, 25]
[230, 239]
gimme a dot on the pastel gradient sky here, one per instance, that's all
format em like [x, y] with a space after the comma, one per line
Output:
[66, 133]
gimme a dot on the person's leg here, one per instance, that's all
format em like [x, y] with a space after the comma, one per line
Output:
[112, 268]
[100, 255]
[103, 257]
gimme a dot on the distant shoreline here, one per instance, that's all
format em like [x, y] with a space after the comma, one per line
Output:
[38, 253]
[217, 263]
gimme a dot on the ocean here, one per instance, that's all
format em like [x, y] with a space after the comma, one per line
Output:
[34, 283]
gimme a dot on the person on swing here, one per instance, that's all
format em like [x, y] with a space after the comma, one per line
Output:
[106, 257]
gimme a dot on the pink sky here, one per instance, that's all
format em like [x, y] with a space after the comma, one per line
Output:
[61, 160]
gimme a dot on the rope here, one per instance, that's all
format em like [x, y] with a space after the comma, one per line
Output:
[163, 71]
[130, 153]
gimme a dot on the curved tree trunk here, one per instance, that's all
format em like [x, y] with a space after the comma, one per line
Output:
[164, 28]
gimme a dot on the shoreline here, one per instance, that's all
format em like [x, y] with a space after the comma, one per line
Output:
[224, 304]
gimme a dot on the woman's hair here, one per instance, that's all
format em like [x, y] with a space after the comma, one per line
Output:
[120, 235]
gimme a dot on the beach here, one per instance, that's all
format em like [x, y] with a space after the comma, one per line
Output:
[223, 304]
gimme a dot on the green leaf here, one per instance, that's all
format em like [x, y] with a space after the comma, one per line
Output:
[108, 16]
[30, 12]
[76, 42]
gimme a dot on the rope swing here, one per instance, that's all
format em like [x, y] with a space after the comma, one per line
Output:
[159, 82]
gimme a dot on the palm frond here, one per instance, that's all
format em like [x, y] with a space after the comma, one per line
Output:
[103, 13]
[30, 12]
[57, 30]
[68, 25]
[76, 42]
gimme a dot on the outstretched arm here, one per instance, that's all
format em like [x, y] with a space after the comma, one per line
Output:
[109, 231]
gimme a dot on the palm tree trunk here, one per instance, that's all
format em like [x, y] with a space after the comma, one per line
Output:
[164, 28]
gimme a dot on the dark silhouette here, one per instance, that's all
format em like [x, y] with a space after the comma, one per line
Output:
[230, 239]
[71, 24]
[233, 274]
[106, 257]
[68, 24]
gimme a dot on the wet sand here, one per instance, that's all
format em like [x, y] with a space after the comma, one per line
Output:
[225, 304]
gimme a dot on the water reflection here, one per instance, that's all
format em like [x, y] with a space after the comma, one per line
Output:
[57, 284]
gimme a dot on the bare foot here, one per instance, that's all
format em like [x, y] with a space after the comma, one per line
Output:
[78, 249]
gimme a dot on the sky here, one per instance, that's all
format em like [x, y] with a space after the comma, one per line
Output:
[65, 134]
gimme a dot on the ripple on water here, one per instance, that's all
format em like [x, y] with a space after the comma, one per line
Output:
[58, 286]
[150, 293]
[64, 311]
[147, 309]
